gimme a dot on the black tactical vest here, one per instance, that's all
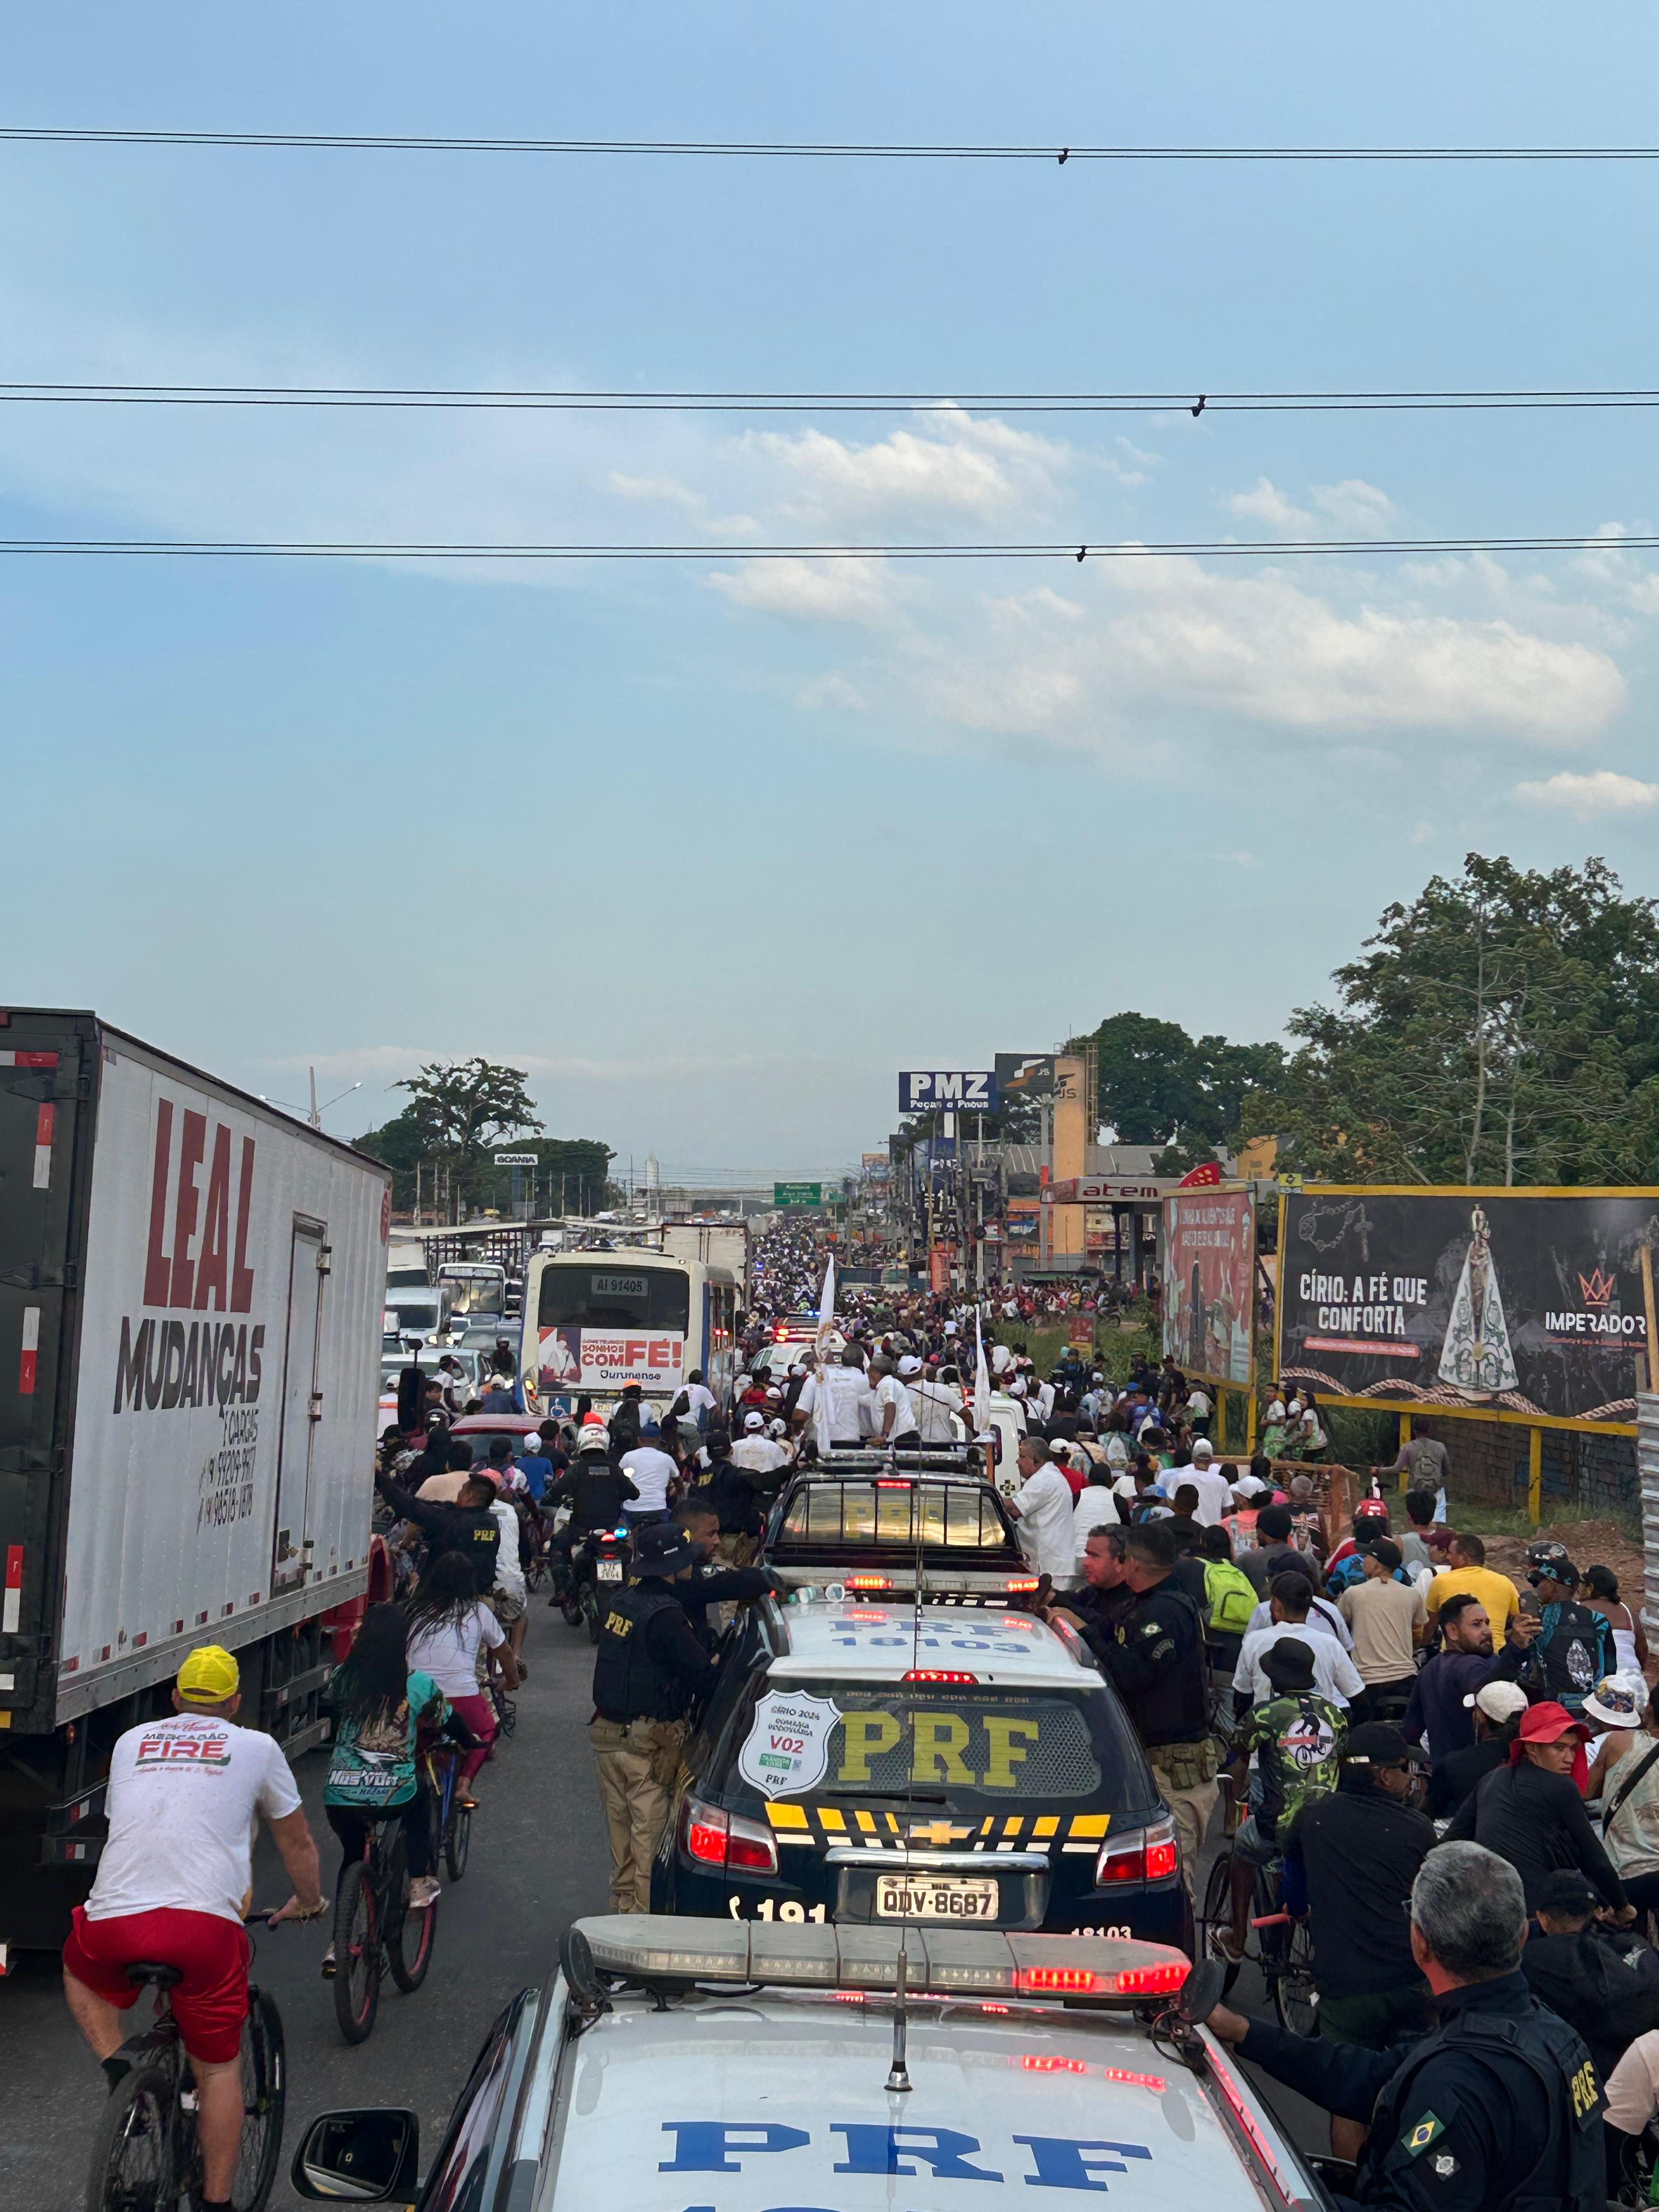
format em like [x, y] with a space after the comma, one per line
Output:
[1568, 2171]
[628, 1683]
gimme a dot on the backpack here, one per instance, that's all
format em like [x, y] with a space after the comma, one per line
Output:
[1231, 1595]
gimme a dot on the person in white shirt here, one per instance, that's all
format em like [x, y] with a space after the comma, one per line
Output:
[755, 1450]
[1215, 1493]
[699, 1399]
[1335, 1675]
[1096, 1508]
[892, 1417]
[1043, 1508]
[185, 1795]
[509, 1598]
[1323, 1619]
[849, 1401]
[936, 1405]
[1198, 1407]
[1045, 1398]
[650, 1469]
[1001, 1360]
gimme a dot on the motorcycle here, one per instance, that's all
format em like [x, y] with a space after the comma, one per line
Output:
[598, 1564]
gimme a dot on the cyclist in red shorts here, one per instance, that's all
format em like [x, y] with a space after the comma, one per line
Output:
[186, 1793]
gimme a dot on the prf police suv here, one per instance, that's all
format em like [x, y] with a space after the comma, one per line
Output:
[876, 1763]
[673, 2065]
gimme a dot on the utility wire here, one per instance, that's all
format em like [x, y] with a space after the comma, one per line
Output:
[415, 142]
[1122, 550]
[45, 391]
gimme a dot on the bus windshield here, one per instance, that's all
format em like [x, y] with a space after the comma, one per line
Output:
[609, 1294]
[475, 1290]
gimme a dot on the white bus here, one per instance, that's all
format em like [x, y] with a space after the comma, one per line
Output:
[595, 1320]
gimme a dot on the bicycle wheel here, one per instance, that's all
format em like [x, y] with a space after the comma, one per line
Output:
[264, 2094]
[356, 1954]
[135, 2148]
[1295, 1998]
[458, 1840]
[409, 1936]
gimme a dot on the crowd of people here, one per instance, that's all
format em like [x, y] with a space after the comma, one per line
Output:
[1452, 1779]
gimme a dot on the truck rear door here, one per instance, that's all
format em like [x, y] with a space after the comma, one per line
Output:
[46, 1064]
[302, 1401]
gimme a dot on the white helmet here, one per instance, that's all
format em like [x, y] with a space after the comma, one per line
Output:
[593, 1436]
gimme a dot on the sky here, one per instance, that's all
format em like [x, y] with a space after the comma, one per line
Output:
[715, 850]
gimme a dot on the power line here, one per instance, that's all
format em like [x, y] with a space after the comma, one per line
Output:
[44, 391]
[1122, 549]
[418, 142]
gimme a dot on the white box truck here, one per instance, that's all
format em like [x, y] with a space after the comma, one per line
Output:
[192, 1286]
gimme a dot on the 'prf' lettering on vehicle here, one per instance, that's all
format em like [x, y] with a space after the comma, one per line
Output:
[1059, 2161]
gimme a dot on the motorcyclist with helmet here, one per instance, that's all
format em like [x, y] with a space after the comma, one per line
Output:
[596, 1491]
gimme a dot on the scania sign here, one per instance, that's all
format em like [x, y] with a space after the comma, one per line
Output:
[949, 1089]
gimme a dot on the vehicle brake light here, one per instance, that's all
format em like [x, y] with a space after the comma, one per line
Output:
[892, 1482]
[938, 1674]
[1073, 1978]
[1149, 1853]
[715, 1838]
[1152, 1981]
[1020, 1582]
[868, 1582]
[1047, 2062]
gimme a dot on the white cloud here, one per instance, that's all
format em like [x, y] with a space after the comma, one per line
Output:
[1267, 504]
[1601, 791]
[1175, 637]
[1352, 508]
[957, 465]
[851, 590]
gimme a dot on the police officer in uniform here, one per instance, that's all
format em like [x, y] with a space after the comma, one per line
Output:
[711, 1585]
[1499, 2106]
[648, 1670]
[594, 1490]
[1156, 1663]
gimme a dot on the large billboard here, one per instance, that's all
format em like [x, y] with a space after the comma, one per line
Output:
[958, 1090]
[1209, 1283]
[1467, 1300]
[1026, 1077]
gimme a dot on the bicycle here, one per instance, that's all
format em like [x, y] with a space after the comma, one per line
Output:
[1284, 1949]
[506, 1713]
[451, 1822]
[372, 1930]
[144, 2154]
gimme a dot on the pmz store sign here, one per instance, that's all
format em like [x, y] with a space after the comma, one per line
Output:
[952, 1090]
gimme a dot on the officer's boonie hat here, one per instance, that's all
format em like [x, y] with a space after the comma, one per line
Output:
[661, 1549]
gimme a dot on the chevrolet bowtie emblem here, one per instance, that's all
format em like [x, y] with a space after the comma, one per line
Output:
[939, 1833]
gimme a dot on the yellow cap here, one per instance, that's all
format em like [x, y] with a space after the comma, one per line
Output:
[209, 1676]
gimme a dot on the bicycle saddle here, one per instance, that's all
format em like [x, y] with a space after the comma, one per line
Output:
[163, 1978]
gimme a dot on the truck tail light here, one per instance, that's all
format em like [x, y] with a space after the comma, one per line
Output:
[714, 1837]
[1151, 1854]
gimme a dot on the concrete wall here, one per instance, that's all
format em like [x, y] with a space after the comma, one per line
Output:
[1585, 1476]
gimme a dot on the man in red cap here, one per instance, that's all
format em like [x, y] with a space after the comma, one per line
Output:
[1529, 1811]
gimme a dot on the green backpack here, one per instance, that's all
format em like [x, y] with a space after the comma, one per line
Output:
[1231, 1595]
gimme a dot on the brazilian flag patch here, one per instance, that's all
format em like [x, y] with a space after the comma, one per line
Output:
[1418, 2138]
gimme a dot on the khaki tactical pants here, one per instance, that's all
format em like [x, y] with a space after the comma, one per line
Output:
[1190, 1806]
[637, 1763]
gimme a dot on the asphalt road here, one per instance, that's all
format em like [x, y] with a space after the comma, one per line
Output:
[538, 1860]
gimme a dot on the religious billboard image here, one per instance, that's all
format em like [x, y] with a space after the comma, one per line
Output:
[1209, 1282]
[1501, 1300]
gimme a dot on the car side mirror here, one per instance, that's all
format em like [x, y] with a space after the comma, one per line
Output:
[364, 2157]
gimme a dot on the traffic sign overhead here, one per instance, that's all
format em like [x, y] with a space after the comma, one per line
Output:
[798, 1194]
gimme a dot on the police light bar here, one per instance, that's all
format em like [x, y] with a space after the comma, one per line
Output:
[850, 1956]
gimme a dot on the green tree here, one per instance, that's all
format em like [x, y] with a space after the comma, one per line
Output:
[463, 1107]
[1160, 1086]
[1503, 1028]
